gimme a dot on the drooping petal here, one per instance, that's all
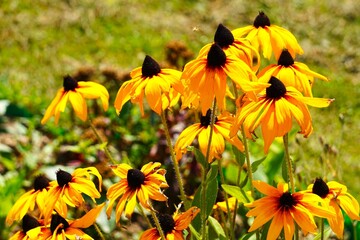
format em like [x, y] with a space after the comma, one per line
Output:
[89, 218]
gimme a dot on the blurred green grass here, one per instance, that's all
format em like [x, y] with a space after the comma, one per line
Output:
[40, 42]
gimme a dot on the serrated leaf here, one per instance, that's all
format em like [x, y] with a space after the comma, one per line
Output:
[239, 156]
[256, 164]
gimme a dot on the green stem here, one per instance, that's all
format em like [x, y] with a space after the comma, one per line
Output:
[144, 215]
[175, 162]
[98, 230]
[106, 150]
[157, 224]
[222, 179]
[322, 226]
[204, 183]
[248, 163]
[225, 228]
[288, 162]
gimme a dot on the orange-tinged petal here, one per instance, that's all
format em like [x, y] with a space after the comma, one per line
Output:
[303, 218]
[54, 103]
[276, 225]
[89, 218]
[186, 138]
[153, 96]
[183, 220]
[130, 206]
[150, 234]
[21, 207]
[266, 189]
[121, 169]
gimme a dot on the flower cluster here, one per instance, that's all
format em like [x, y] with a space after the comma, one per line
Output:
[225, 73]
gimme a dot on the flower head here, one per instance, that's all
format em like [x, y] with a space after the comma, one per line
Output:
[268, 37]
[274, 110]
[28, 200]
[62, 229]
[172, 226]
[67, 189]
[205, 78]
[76, 92]
[135, 184]
[238, 47]
[162, 87]
[221, 131]
[291, 73]
[337, 198]
[285, 208]
[221, 203]
[31, 229]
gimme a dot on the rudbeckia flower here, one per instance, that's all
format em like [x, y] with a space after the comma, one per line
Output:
[268, 38]
[337, 198]
[220, 202]
[291, 73]
[285, 208]
[205, 78]
[172, 226]
[31, 229]
[67, 189]
[76, 92]
[221, 131]
[162, 87]
[135, 184]
[62, 229]
[28, 200]
[274, 110]
[239, 47]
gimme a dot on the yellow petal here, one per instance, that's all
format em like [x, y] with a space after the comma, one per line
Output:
[89, 218]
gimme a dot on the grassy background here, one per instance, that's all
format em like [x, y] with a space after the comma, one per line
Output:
[40, 42]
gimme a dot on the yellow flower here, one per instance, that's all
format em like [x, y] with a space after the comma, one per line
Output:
[67, 189]
[31, 229]
[337, 198]
[239, 47]
[284, 208]
[172, 226]
[268, 38]
[27, 201]
[135, 184]
[291, 73]
[205, 78]
[221, 203]
[62, 229]
[160, 86]
[274, 110]
[221, 130]
[76, 92]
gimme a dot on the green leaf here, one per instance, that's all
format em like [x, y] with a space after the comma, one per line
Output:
[247, 236]
[211, 195]
[327, 233]
[213, 172]
[243, 183]
[217, 228]
[194, 233]
[256, 164]
[200, 158]
[239, 156]
[235, 191]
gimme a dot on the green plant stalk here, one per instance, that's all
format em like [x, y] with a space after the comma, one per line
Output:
[225, 228]
[144, 215]
[157, 224]
[248, 163]
[322, 226]
[203, 182]
[175, 162]
[288, 162]
[222, 179]
[106, 150]
[98, 230]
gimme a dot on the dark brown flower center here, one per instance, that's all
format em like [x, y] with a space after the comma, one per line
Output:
[167, 223]
[41, 182]
[56, 220]
[261, 20]
[320, 188]
[150, 67]
[216, 56]
[223, 36]
[287, 201]
[285, 59]
[29, 222]
[135, 178]
[206, 120]
[69, 83]
[63, 177]
[276, 90]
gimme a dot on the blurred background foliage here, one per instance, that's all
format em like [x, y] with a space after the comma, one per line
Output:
[103, 41]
